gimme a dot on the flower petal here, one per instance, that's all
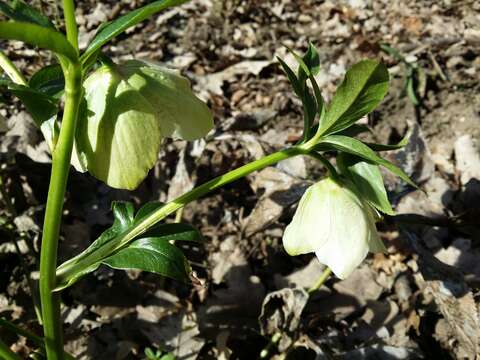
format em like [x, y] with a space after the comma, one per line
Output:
[310, 225]
[333, 221]
[129, 109]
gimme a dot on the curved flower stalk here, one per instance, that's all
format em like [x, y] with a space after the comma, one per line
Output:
[335, 223]
[129, 109]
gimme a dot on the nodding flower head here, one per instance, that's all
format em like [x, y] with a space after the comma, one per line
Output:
[335, 223]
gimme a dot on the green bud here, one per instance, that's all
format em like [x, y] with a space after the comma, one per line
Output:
[129, 108]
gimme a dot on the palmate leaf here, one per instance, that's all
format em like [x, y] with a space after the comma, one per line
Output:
[356, 147]
[151, 251]
[364, 86]
[108, 31]
[368, 179]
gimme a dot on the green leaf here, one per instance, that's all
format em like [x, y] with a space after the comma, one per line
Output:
[291, 77]
[123, 219]
[37, 35]
[384, 147]
[147, 209]
[364, 86]
[49, 80]
[310, 110]
[308, 101]
[41, 106]
[129, 109]
[312, 59]
[112, 29]
[150, 251]
[309, 64]
[356, 147]
[174, 232]
[168, 356]
[411, 92]
[20, 11]
[354, 130]
[154, 255]
[367, 179]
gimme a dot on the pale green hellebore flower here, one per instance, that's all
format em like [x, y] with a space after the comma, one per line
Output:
[332, 221]
[129, 109]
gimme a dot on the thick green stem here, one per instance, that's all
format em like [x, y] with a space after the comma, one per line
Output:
[53, 214]
[6, 353]
[83, 261]
[70, 22]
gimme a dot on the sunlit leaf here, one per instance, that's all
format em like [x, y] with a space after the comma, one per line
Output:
[112, 29]
[356, 147]
[364, 86]
[37, 35]
[150, 251]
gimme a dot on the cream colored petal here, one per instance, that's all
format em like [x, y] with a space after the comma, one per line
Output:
[348, 244]
[332, 221]
[129, 109]
[311, 225]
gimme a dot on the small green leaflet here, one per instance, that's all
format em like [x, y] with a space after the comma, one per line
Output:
[364, 86]
[153, 255]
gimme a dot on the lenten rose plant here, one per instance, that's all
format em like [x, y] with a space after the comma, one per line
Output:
[113, 120]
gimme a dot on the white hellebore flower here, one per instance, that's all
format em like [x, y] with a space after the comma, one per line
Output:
[129, 109]
[335, 223]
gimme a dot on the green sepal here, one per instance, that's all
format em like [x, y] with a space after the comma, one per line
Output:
[367, 179]
[128, 109]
